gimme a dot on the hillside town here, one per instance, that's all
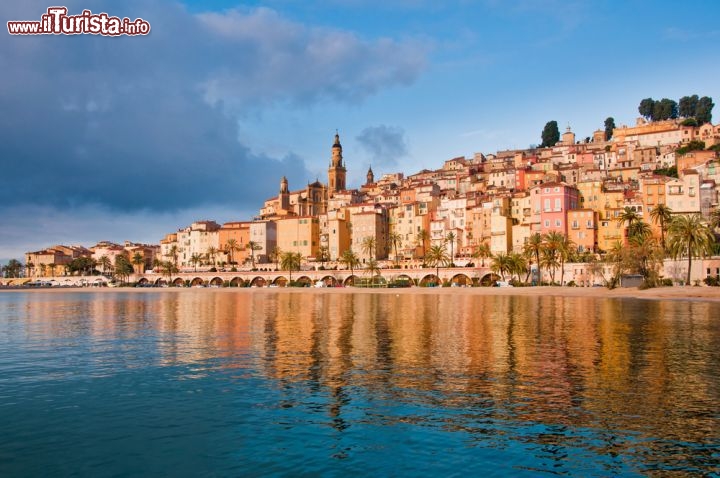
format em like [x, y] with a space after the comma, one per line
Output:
[590, 191]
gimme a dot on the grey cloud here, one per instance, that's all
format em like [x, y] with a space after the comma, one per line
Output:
[385, 144]
[126, 123]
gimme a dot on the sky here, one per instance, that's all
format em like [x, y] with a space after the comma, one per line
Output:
[131, 138]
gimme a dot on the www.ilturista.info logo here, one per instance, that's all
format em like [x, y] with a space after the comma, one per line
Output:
[57, 22]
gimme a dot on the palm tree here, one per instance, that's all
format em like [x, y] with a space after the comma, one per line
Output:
[691, 236]
[350, 259]
[450, 238]
[137, 260]
[501, 264]
[552, 244]
[549, 260]
[437, 256]
[13, 268]
[715, 219]
[211, 253]
[230, 247]
[422, 237]
[628, 216]
[253, 246]
[532, 248]
[518, 264]
[639, 229]
[395, 238]
[661, 214]
[483, 252]
[195, 259]
[105, 263]
[173, 254]
[564, 252]
[275, 255]
[369, 246]
[290, 261]
[373, 269]
[43, 267]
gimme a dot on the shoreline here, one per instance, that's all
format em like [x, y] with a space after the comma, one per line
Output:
[690, 293]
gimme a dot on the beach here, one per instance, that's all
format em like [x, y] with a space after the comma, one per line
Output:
[659, 293]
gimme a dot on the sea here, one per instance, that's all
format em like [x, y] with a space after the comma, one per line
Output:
[339, 382]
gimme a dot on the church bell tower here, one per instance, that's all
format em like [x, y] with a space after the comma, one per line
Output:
[336, 171]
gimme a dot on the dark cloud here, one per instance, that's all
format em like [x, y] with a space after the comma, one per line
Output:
[385, 144]
[150, 123]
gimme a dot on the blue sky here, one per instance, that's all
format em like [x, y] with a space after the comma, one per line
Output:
[131, 138]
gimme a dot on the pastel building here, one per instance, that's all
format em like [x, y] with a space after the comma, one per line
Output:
[551, 203]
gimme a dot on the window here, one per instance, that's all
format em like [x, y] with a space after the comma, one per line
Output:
[547, 223]
[558, 223]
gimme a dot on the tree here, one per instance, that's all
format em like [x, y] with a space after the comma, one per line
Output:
[123, 267]
[173, 254]
[422, 238]
[369, 246]
[350, 259]
[211, 253]
[12, 269]
[395, 239]
[253, 246]
[518, 264]
[437, 257]
[483, 252]
[643, 256]
[609, 127]
[665, 109]
[703, 110]
[550, 134]
[646, 108]
[138, 260]
[450, 238]
[639, 229]
[195, 259]
[290, 261]
[168, 268]
[661, 214]
[532, 248]
[714, 220]
[373, 269]
[629, 216]
[565, 250]
[687, 106]
[105, 263]
[500, 264]
[690, 236]
[230, 247]
[552, 245]
[275, 255]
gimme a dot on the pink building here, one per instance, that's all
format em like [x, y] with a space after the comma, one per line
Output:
[551, 203]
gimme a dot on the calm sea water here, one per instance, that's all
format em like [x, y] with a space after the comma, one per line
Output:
[247, 383]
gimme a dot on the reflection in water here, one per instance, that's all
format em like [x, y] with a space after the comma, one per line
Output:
[582, 386]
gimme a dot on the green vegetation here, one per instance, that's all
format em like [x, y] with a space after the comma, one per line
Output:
[671, 171]
[690, 236]
[690, 107]
[12, 268]
[694, 145]
[609, 127]
[550, 134]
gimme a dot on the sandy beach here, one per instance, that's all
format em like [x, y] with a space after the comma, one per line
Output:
[711, 294]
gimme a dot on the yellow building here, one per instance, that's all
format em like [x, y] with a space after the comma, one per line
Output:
[299, 234]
